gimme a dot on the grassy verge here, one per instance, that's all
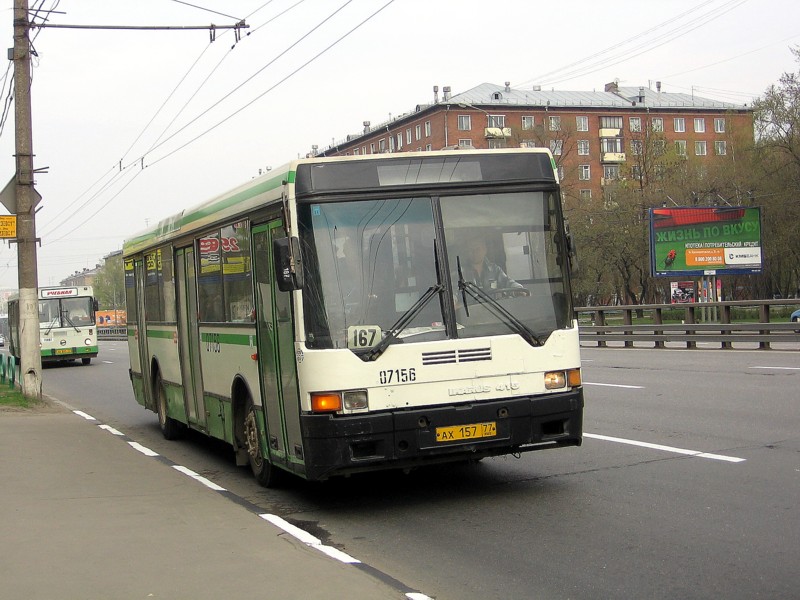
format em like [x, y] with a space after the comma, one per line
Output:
[14, 397]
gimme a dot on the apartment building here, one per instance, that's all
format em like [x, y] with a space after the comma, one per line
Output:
[597, 137]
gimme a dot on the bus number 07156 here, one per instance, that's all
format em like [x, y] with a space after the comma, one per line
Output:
[398, 375]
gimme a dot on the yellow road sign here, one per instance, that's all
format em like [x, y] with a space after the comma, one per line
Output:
[8, 226]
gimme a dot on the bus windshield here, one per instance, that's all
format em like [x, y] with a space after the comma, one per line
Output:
[494, 267]
[55, 313]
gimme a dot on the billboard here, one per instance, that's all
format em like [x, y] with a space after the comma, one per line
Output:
[705, 241]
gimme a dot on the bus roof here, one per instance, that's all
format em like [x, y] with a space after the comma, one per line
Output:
[267, 189]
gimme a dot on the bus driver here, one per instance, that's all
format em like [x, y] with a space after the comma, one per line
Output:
[485, 274]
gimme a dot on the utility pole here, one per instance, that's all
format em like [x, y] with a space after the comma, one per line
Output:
[30, 357]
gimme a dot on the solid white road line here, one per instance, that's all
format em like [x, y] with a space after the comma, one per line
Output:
[696, 453]
[616, 385]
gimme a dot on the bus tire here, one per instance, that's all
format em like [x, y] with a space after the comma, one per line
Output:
[170, 428]
[265, 473]
[86, 360]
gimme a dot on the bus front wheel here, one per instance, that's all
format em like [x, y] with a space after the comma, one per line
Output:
[264, 472]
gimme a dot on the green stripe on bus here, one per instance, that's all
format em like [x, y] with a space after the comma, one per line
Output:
[70, 351]
[233, 339]
[160, 334]
[169, 225]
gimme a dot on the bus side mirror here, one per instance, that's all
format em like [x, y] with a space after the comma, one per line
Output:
[95, 305]
[288, 263]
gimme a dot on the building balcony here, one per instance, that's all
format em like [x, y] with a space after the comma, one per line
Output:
[610, 133]
[493, 133]
[613, 157]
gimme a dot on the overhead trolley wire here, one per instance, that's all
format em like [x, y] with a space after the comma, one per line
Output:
[565, 73]
[118, 169]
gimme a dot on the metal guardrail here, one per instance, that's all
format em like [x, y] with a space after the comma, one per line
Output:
[112, 333]
[700, 322]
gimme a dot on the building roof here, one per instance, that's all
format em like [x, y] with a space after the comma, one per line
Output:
[619, 97]
[505, 97]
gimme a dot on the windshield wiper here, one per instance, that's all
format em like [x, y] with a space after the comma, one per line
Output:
[50, 326]
[68, 320]
[497, 310]
[401, 323]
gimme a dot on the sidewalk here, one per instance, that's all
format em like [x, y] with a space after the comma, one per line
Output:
[85, 516]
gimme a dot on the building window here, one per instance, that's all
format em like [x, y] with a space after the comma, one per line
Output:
[700, 125]
[611, 122]
[465, 143]
[428, 147]
[556, 146]
[611, 145]
[372, 148]
[700, 148]
[659, 147]
[418, 132]
[636, 172]
[408, 136]
[583, 147]
[427, 129]
[497, 143]
[586, 195]
[498, 121]
[391, 143]
[719, 125]
[555, 123]
[382, 145]
[636, 147]
[584, 172]
[720, 148]
[611, 171]
[582, 123]
[657, 124]
[679, 124]
[680, 147]
[635, 123]
[527, 122]
[464, 122]
[399, 140]
[356, 151]
[527, 144]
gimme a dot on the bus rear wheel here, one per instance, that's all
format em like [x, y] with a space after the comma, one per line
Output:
[170, 428]
[265, 473]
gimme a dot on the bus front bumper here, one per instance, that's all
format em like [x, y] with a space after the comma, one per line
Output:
[342, 444]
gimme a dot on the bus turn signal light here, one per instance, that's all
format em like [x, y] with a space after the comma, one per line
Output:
[574, 378]
[326, 402]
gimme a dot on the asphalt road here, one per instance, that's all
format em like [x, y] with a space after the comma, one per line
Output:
[686, 486]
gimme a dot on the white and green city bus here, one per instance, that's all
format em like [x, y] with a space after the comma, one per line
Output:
[67, 329]
[323, 318]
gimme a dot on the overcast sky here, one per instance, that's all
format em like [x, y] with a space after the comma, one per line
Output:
[203, 117]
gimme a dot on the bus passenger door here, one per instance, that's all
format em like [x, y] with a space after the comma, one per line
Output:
[189, 337]
[276, 352]
[141, 334]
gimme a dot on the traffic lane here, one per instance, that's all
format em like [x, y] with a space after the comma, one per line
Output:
[716, 400]
[600, 521]
[457, 515]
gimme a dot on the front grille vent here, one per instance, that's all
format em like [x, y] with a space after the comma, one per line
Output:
[451, 357]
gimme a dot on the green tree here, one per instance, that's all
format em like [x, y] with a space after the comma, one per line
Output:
[109, 284]
[777, 181]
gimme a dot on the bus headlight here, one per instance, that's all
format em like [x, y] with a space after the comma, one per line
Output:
[88, 341]
[351, 400]
[555, 380]
[356, 400]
